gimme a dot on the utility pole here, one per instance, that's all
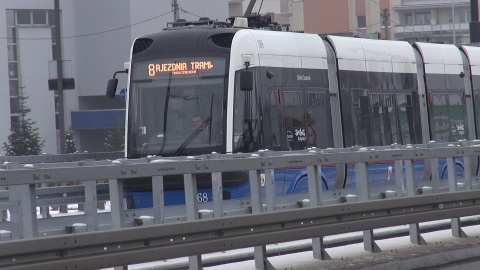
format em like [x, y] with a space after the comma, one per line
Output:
[474, 24]
[176, 14]
[58, 58]
[453, 23]
[386, 22]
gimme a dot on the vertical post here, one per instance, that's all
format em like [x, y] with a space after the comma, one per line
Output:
[435, 176]
[117, 208]
[116, 203]
[363, 193]
[191, 204]
[23, 212]
[474, 24]
[175, 10]
[452, 187]
[158, 199]
[217, 193]
[3, 212]
[386, 18]
[399, 181]
[44, 210]
[453, 24]
[415, 236]
[91, 205]
[467, 172]
[316, 199]
[58, 56]
[260, 252]
[270, 189]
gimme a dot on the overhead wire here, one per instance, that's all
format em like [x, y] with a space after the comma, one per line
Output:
[100, 32]
[394, 22]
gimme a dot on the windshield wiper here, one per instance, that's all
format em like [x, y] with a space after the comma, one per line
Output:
[192, 137]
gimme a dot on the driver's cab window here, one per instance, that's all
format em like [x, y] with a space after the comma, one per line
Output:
[247, 130]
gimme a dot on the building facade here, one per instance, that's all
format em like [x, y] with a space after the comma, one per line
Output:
[96, 41]
[440, 21]
[361, 18]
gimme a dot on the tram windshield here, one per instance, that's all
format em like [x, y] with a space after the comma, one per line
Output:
[176, 107]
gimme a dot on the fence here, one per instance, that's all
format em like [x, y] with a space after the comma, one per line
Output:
[103, 240]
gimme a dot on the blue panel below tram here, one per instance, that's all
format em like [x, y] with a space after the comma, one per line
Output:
[98, 119]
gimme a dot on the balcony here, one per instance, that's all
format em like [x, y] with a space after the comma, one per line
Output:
[427, 30]
[430, 4]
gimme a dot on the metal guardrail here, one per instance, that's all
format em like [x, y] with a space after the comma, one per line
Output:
[267, 224]
[61, 158]
[158, 242]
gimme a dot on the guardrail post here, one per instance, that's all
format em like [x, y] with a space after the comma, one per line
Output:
[415, 236]
[44, 210]
[467, 168]
[158, 199]
[91, 205]
[270, 189]
[116, 203]
[217, 194]
[363, 193]
[23, 212]
[3, 212]
[452, 187]
[117, 208]
[435, 177]
[260, 252]
[316, 199]
[399, 181]
[191, 204]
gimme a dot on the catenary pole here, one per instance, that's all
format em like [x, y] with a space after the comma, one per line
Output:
[58, 56]
[474, 24]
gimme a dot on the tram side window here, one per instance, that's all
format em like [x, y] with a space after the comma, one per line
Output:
[318, 120]
[476, 101]
[407, 119]
[275, 122]
[477, 110]
[457, 115]
[360, 117]
[439, 123]
[391, 131]
[448, 113]
[376, 120]
[293, 110]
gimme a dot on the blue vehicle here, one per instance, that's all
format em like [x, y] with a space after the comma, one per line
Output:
[204, 87]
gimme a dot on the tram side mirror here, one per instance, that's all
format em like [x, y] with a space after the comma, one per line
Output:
[246, 80]
[111, 88]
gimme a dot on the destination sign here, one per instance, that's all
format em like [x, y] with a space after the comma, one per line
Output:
[179, 68]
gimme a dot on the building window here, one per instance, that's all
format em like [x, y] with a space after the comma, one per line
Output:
[14, 105]
[39, 17]
[14, 120]
[23, 17]
[12, 53]
[422, 18]
[13, 86]
[464, 15]
[408, 19]
[361, 21]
